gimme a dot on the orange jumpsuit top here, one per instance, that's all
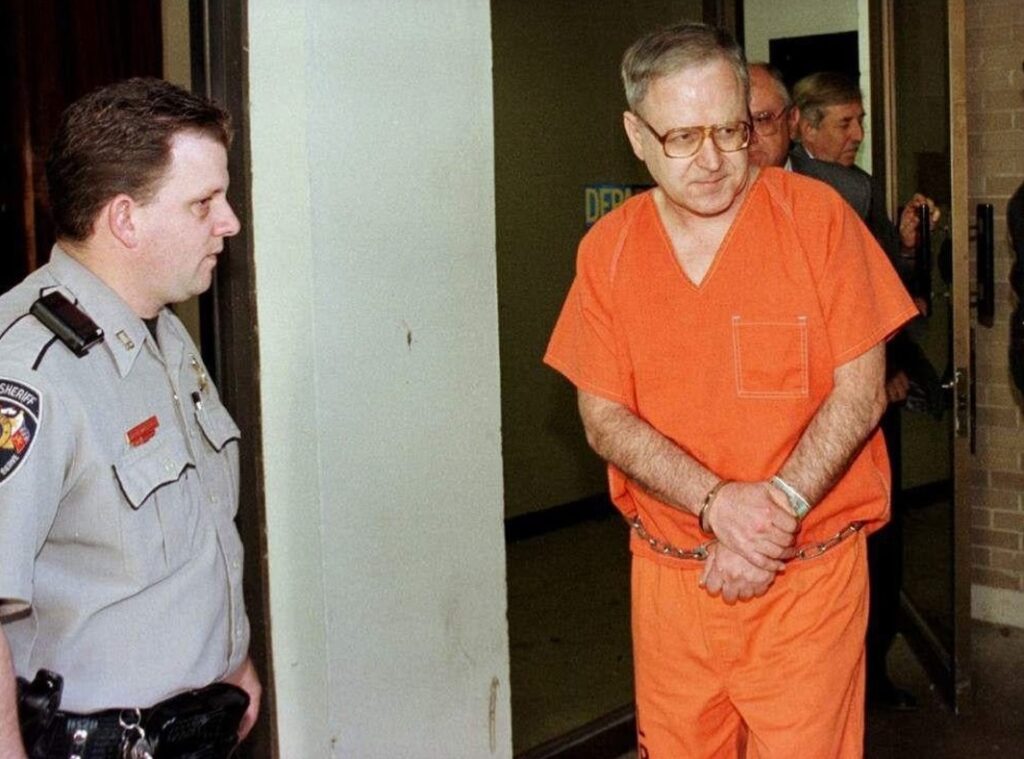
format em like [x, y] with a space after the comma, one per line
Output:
[733, 369]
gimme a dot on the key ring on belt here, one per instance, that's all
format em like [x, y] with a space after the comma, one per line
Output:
[700, 552]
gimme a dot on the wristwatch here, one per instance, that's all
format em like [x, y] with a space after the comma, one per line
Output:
[797, 502]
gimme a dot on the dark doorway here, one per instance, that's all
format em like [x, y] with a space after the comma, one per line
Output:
[796, 57]
[53, 52]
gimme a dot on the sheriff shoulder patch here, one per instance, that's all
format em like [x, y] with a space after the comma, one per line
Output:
[19, 420]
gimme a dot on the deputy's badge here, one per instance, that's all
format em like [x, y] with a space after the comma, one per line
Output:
[201, 377]
[19, 420]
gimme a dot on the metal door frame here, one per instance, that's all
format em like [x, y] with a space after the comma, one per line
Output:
[949, 666]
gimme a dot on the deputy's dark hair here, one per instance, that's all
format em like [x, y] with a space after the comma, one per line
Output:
[117, 139]
[666, 51]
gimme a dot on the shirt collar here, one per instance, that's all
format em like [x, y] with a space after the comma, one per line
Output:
[124, 333]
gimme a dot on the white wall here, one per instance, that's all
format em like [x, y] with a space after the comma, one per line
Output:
[764, 20]
[373, 210]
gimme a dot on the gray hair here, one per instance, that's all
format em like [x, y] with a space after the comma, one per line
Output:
[776, 75]
[814, 93]
[669, 50]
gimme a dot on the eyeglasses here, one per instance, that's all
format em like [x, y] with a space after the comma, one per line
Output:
[767, 123]
[684, 142]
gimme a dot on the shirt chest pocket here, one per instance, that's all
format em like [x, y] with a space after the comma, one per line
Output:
[220, 457]
[218, 427]
[159, 522]
[770, 357]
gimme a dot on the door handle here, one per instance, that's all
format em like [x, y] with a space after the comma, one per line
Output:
[961, 402]
[923, 256]
[984, 239]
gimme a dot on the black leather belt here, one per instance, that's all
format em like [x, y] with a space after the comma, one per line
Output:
[87, 736]
[196, 724]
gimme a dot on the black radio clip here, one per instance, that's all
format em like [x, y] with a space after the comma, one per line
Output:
[67, 321]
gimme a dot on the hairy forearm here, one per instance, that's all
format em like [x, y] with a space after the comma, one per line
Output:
[840, 427]
[10, 734]
[646, 456]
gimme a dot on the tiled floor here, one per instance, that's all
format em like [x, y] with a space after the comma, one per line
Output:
[569, 633]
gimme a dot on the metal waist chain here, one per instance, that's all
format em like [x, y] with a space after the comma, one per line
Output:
[700, 552]
[814, 550]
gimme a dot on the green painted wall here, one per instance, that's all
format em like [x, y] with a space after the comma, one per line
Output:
[558, 106]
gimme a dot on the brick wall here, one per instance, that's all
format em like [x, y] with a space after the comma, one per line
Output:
[995, 97]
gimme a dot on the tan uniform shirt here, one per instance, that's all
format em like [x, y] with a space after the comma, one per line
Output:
[120, 564]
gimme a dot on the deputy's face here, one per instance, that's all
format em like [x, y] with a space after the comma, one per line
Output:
[709, 182]
[183, 227]
[837, 139]
[769, 145]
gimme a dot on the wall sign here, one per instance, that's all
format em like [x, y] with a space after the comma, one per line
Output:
[599, 199]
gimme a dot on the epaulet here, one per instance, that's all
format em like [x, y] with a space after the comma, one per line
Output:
[67, 321]
[25, 337]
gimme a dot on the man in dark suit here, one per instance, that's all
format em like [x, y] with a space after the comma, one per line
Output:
[1015, 221]
[827, 118]
[773, 118]
[827, 115]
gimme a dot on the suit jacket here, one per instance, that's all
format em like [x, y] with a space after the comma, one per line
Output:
[858, 189]
[854, 184]
[1015, 221]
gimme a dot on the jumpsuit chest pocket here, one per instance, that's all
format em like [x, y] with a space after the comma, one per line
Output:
[159, 482]
[770, 357]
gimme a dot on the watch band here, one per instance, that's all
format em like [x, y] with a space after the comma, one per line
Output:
[800, 505]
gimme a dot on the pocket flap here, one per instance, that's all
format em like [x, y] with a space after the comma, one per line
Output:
[158, 462]
[218, 427]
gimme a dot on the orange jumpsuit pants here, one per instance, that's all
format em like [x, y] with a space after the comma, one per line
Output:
[775, 677]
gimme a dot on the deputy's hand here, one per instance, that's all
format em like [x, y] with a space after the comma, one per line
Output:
[245, 677]
[909, 220]
[729, 574]
[747, 518]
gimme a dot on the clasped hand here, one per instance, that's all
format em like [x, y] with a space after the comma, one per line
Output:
[756, 531]
[909, 222]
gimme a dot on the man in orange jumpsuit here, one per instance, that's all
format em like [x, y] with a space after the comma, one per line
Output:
[725, 332]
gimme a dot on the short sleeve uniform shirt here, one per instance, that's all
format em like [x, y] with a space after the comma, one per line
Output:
[120, 564]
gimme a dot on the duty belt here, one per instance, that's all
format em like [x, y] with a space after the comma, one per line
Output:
[700, 552]
[195, 724]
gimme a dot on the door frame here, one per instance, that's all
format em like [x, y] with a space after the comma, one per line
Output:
[948, 665]
[963, 346]
[229, 329]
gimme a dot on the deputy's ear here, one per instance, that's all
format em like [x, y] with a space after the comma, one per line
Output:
[120, 215]
[634, 130]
